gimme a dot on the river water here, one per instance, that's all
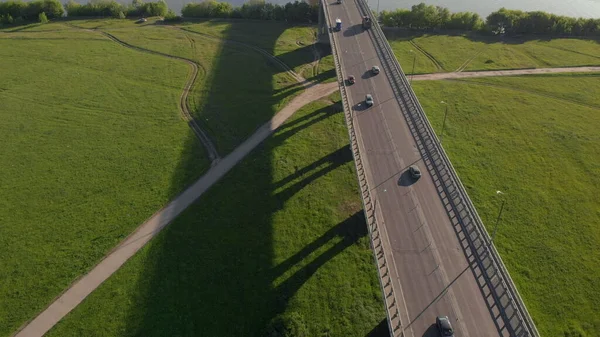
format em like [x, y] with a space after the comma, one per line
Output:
[575, 8]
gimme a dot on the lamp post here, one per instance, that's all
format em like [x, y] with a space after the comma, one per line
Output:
[499, 216]
[444, 122]
[413, 67]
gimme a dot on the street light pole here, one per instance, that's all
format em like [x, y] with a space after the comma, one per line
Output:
[413, 67]
[499, 216]
[444, 122]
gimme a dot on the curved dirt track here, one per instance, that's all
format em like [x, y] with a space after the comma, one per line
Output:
[211, 150]
[490, 73]
[80, 289]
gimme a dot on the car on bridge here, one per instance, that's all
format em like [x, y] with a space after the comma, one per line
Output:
[369, 100]
[375, 70]
[351, 79]
[444, 326]
[366, 22]
[338, 24]
[415, 172]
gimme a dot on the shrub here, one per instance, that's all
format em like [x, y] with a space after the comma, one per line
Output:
[42, 18]
[287, 325]
[172, 17]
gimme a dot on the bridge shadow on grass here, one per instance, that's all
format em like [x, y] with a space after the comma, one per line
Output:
[241, 92]
[211, 273]
[408, 34]
[381, 330]
[214, 271]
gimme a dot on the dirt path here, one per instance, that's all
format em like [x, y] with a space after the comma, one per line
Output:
[457, 75]
[80, 289]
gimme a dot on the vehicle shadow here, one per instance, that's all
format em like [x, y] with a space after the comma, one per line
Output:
[432, 331]
[360, 106]
[353, 30]
[367, 74]
[406, 179]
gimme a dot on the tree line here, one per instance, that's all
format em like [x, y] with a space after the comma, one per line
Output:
[419, 17]
[298, 11]
[505, 21]
[42, 10]
[106, 8]
[18, 11]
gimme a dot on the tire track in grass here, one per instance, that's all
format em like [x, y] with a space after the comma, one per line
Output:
[284, 66]
[469, 60]
[429, 56]
[572, 51]
[211, 150]
[213, 155]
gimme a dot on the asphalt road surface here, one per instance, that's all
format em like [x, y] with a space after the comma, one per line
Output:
[432, 275]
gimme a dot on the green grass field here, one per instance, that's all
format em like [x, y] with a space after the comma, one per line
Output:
[542, 152]
[95, 143]
[573, 88]
[92, 140]
[293, 44]
[445, 53]
[281, 237]
[259, 90]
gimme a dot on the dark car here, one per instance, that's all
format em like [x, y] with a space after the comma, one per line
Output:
[351, 79]
[444, 326]
[369, 100]
[415, 173]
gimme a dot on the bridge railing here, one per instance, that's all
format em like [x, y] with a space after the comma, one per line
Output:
[496, 278]
[369, 204]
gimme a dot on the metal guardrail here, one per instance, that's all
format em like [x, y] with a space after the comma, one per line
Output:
[517, 319]
[369, 205]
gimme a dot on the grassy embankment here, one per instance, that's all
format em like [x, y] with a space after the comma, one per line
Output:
[94, 143]
[445, 53]
[536, 139]
[281, 237]
[91, 138]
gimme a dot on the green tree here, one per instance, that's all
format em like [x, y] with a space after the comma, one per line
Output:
[42, 18]
[53, 8]
[444, 16]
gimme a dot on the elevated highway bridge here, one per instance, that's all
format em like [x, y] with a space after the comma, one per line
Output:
[433, 254]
